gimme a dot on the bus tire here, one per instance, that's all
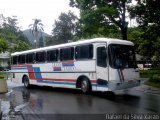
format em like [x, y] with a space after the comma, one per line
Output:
[26, 81]
[85, 86]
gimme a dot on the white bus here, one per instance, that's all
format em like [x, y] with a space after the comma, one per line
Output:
[100, 64]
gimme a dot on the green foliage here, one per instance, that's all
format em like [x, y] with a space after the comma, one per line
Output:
[154, 81]
[134, 35]
[153, 75]
[150, 71]
[65, 27]
[153, 84]
[21, 46]
[3, 45]
[146, 11]
[10, 35]
[1, 75]
[95, 14]
[149, 43]
[147, 14]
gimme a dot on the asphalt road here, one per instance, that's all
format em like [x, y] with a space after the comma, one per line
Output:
[48, 103]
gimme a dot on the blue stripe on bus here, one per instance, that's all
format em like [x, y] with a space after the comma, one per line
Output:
[119, 75]
[94, 85]
[37, 72]
[18, 68]
[102, 86]
[67, 65]
[42, 81]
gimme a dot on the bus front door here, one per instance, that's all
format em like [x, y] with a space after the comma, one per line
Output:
[101, 68]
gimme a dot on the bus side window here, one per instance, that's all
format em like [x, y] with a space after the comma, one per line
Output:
[14, 60]
[30, 58]
[67, 54]
[101, 57]
[52, 55]
[41, 56]
[22, 59]
[84, 52]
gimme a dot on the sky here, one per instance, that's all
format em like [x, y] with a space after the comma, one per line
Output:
[27, 10]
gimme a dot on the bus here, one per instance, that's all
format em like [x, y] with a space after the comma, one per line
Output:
[99, 64]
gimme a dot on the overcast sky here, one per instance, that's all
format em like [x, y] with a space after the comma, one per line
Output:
[26, 10]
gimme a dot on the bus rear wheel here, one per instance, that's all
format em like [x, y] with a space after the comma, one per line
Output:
[85, 86]
[26, 81]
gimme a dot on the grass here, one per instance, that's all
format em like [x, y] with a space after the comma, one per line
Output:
[153, 75]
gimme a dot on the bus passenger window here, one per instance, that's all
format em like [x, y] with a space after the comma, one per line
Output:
[41, 56]
[101, 57]
[67, 54]
[30, 58]
[52, 55]
[14, 60]
[84, 52]
[22, 59]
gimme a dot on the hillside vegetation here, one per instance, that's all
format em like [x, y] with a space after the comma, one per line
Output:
[11, 37]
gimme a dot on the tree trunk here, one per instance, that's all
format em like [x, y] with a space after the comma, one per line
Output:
[124, 23]
[124, 33]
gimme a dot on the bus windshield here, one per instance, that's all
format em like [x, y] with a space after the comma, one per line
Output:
[121, 56]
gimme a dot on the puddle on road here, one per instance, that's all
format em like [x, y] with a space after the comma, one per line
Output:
[18, 102]
[11, 112]
[11, 107]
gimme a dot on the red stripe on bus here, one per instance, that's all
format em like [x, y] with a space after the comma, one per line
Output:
[122, 74]
[93, 81]
[30, 72]
[68, 62]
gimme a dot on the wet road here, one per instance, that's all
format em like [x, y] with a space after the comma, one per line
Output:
[47, 102]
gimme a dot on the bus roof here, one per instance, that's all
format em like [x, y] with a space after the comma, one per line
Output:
[85, 41]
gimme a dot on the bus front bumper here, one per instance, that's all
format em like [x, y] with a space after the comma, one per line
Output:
[123, 85]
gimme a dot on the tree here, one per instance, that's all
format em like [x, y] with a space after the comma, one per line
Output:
[65, 27]
[147, 14]
[10, 34]
[134, 35]
[97, 13]
[36, 28]
[21, 46]
[3, 45]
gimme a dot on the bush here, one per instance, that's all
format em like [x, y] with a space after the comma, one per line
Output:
[153, 75]
[1, 75]
[155, 79]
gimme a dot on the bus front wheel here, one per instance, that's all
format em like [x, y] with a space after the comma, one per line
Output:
[85, 85]
[26, 81]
